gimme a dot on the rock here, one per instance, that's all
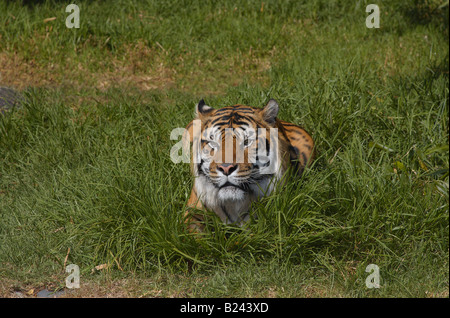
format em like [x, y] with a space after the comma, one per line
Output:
[9, 98]
[45, 293]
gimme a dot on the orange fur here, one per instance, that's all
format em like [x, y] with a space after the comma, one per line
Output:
[295, 147]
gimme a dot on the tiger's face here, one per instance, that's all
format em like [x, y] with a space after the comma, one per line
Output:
[238, 154]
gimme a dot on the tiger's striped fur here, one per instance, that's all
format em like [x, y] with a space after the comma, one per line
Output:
[227, 186]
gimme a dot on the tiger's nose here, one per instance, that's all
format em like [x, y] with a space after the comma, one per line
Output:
[227, 168]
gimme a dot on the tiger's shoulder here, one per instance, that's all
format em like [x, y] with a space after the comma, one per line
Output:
[301, 144]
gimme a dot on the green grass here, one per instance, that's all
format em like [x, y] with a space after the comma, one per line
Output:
[86, 165]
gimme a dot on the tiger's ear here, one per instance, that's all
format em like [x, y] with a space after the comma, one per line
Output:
[270, 111]
[202, 109]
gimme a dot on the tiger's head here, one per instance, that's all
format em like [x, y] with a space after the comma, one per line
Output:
[240, 153]
[236, 155]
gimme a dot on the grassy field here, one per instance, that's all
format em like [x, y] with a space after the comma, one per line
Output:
[85, 170]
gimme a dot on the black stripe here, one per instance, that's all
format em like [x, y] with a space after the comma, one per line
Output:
[252, 120]
[199, 167]
[267, 147]
[293, 131]
[293, 152]
[222, 123]
[225, 117]
[226, 213]
[195, 217]
[305, 159]
[289, 124]
[242, 107]
[237, 116]
[293, 138]
[223, 110]
[221, 118]
[206, 123]
[239, 122]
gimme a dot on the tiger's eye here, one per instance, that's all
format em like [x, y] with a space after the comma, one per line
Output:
[247, 142]
[213, 144]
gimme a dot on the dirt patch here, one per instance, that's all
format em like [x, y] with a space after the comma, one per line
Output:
[17, 72]
[21, 73]
[119, 288]
[138, 66]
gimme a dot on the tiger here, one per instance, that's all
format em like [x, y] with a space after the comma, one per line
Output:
[239, 155]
